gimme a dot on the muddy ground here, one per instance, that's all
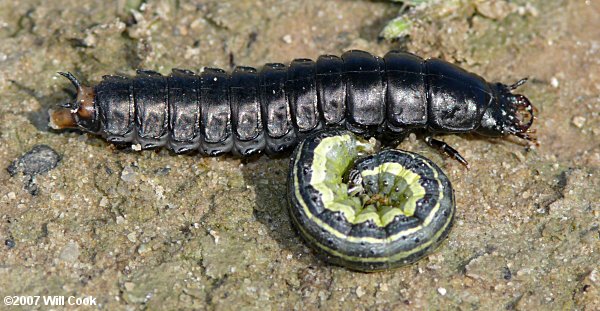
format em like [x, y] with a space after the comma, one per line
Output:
[153, 230]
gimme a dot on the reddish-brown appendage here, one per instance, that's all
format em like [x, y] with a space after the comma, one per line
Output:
[85, 98]
[67, 115]
[61, 118]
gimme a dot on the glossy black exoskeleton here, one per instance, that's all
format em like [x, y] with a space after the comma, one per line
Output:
[249, 111]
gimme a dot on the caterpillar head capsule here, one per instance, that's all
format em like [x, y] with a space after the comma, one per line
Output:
[508, 113]
[78, 114]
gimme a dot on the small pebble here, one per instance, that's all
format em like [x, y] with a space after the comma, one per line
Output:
[143, 249]
[594, 277]
[40, 159]
[215, 235]
[383, 287]
[412, 137]
[360, 292]
[506, 273]
[120, 220]
[104, 202]
[57, 196]
[70, 252]
[287, 39]
[578, 121]
[9, 243]
[132, 237]
[442, 291]
[163, 171]
[494, 9]
[128, 174]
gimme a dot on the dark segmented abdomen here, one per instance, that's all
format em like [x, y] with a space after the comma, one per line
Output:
[215, 112]
[277, 119]
[184, 111]
[406, 91]
[457, 98]
[365, 91]
[151, 109]
[331, 89]
[302, 96]
[116, 111]
[250, 111]
[246, 115]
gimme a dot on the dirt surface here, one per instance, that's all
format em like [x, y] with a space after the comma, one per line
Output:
[152, 230]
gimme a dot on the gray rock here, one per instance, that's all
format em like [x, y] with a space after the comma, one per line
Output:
[70, 253]
[40, 159]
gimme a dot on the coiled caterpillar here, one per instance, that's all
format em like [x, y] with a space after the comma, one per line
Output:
[371, 213]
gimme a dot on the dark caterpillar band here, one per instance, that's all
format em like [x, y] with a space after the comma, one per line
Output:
[374, 213]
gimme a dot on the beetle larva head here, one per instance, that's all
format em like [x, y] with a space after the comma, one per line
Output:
[508, 113]
[79, 114]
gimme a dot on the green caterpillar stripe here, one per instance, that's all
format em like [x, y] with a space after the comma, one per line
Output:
[370, 213]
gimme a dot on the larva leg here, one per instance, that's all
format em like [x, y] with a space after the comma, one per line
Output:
[445, 148]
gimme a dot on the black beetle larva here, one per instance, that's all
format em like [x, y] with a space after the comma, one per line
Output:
[249, 111]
